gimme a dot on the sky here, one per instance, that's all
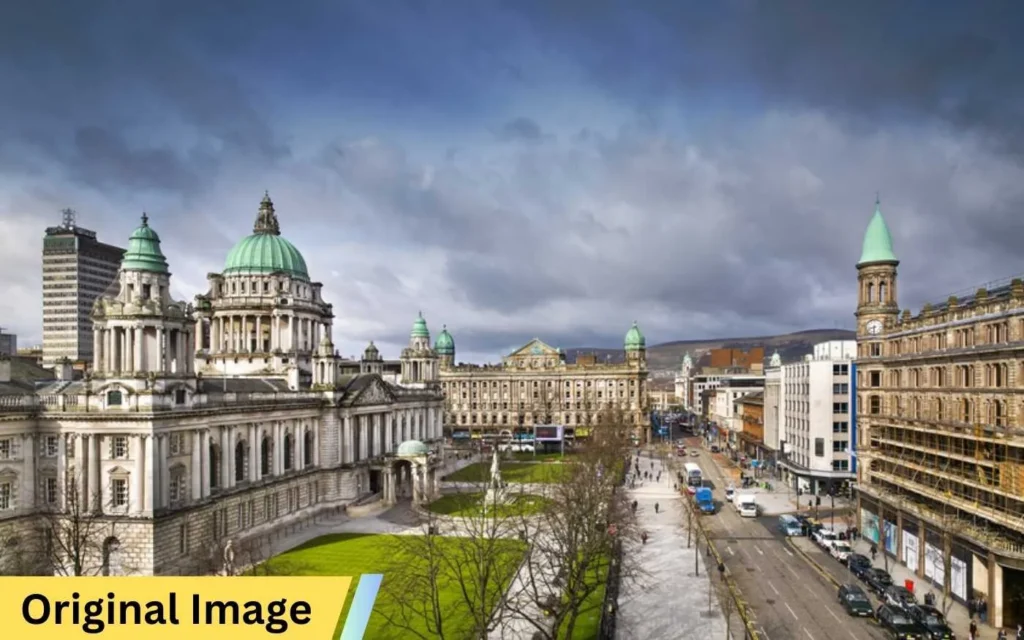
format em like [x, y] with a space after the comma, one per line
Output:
[527, 168]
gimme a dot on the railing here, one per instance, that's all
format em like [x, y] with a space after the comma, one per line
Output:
[611, 594]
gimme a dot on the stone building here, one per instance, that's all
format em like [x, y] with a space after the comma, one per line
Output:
[941, 443]
[199, 426]
[684, 383]
[535, 385]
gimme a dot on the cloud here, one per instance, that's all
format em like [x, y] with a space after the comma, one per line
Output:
[557, 170]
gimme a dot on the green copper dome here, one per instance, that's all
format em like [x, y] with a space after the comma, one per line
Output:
[265, 251]
[445, 344]
[877, 240]
[634, 339]
[419, 328]
[143, 252]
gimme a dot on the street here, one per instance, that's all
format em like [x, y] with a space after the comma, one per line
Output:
[789, 598]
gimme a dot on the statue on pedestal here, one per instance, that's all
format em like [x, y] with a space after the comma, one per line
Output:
[496, 490]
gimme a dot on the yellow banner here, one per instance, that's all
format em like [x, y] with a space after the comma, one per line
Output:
[179, 607]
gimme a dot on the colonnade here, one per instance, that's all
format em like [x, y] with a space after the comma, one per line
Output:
[143, 349]
[372, 434]
[264, 333]
[417, 477]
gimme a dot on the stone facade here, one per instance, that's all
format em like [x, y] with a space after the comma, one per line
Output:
[189, 433]
[535, 385]
[941, 431]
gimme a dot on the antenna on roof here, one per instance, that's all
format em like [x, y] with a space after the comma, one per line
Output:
[68, 216]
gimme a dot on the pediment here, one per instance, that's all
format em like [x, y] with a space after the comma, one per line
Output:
[375, 393]
[534, 348]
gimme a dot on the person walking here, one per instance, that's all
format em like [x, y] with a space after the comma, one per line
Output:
[656, 507]
[983, 610]
[874, 552]
[972, 608]
[973, 630]
[643, 536]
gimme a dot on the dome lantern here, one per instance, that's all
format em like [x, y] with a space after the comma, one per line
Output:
[143, 253]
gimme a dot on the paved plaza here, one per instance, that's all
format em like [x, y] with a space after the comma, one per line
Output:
[669, 601]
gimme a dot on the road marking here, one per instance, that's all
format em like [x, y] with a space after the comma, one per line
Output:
[854, 635]
[759, 549]
[731, 552]
[765, 634]
[793, 571]
[773, 587]
[791, 611]
[834, 615]
[808, 633]
[788, 551]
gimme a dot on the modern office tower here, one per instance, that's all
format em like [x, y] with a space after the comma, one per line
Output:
[77, 268]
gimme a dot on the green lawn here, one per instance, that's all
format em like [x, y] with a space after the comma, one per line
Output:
[523, 472]
[588, 624]
[470, 504]
[352, 554]
[528, 457]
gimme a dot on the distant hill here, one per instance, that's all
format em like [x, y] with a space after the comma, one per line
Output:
[668, 356]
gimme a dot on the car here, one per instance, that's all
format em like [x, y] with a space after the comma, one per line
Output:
[730, 493]
[825, 537]
[899, 624]
[900, 597]
[694, 453]
[878, 580]
[855, 601]
[858, 564]
[840, 550]
[932, 619]
[715, 448]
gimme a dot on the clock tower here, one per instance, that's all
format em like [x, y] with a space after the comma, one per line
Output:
[876, 279]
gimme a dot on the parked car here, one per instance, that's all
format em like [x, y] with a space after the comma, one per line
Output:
[899, 596]
[825, 537]
[715, 448]
[855, 601]
[859, 564]
[694, 453]
[932, 619]
[899, 624]
[840, 550]
[878, 580]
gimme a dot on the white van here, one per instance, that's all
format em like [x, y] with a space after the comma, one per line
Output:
[746, 504]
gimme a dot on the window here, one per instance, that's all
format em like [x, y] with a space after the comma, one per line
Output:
[840, 389]
[875, 349]
[819, 447]
[289, 451]
[50, 490]
[874, 404]
[183, 539]
[176, 443]
[50, 447]
[840, 427]
[840, 465]
[307, 454]
[6, 495]
[8, 449]
[266, 457]
[119, 492]
[840, 369]
[119, 447]
[114, 398]
[839, 446]
[875, 379]
[840, 407]
[241, 461]
[179, 396]
[179, 489]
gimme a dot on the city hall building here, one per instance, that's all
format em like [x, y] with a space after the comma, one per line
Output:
[941, 444]
[211, 423]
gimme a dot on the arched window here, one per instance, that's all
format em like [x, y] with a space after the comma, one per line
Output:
[289, 451]
[871, 292]
[215, 463]
[112, 557]
[307, 444]
[265, 456]
[241, 460]
[882, 291]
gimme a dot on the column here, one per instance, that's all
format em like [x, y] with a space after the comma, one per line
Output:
[995, 591]
[204, 464]
[95, 483]
[259, 334]
[227, 459]
[277, 459]
[97, 354]
[316, 443]
[137, 500]
[347, 455]
[28, 487]
[159, 365]
[80, 478]
[254, 453]
[196, 467]
[62, 469]
[165, 471]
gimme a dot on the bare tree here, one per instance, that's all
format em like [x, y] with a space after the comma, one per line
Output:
[16, 557]
[474, 555]
[77, 538]
[580, 533]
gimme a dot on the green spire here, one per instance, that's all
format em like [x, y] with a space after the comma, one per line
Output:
[419, 328]
[877, 240]
[635, 341]
[143, 252]
[445, 344]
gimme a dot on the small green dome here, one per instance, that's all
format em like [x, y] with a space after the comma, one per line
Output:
[634, 339]
[413, 448]
[265, 251]
[419, 328]
[877, 240]
[445, 344]
[143, 252]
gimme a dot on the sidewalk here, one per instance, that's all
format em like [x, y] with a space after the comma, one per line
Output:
[957, 617]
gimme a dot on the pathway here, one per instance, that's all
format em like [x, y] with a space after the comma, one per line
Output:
[669, 602]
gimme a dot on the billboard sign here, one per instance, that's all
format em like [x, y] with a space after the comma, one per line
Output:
[548, 433]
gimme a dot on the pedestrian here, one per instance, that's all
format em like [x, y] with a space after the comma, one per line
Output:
[634, 506]
[983, 610]
[973, 633]
[675, 487]
[656, 507]
[874, 552]
[972, 608]
[1002, 635]
[1020, 631]
[643, 536]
